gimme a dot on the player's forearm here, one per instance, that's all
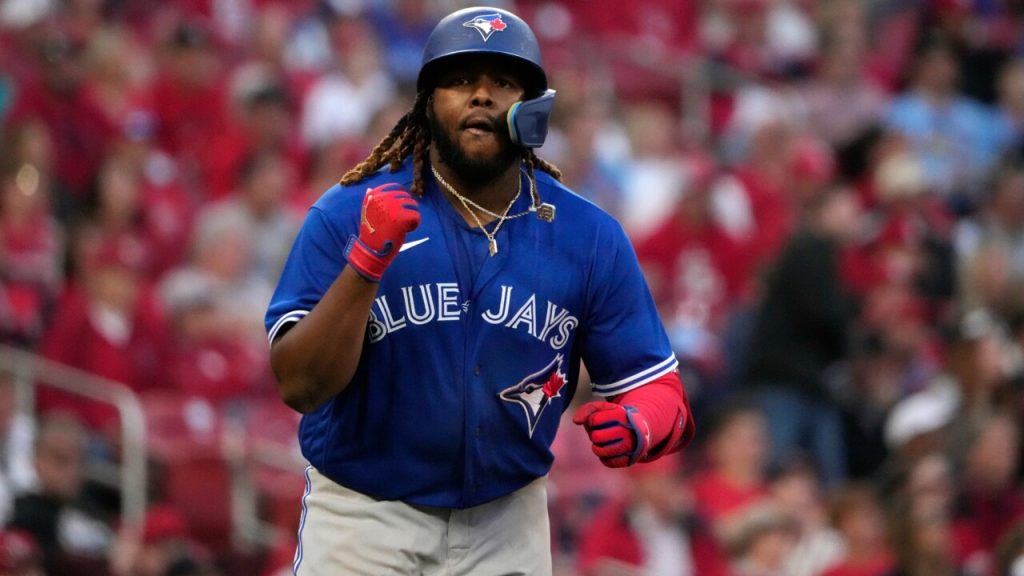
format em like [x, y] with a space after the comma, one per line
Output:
[316, 359]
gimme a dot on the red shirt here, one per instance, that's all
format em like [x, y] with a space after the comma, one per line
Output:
[188, 118]
[717, 498]
[219, 370]
[880, 565]
[774, 216]
[75, 340]
[29, 259]
[609, 535]
[80, 131]
[694, 270]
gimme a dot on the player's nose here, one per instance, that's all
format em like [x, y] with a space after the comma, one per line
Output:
[482, 95]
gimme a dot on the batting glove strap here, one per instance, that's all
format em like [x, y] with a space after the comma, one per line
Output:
[636, 426]
[367, 262]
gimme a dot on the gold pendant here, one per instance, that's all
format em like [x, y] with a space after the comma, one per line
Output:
[492, 246]
[546, 212]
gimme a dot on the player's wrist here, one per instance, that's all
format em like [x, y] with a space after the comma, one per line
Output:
[365, 261]
[641, 430]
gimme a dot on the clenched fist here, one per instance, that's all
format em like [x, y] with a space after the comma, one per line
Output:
[620, 434]
[389, 213]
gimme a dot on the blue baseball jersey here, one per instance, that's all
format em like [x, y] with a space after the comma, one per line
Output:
[470, 359]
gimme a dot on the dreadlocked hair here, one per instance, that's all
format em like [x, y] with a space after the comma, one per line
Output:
[531, 160]
[411, 136]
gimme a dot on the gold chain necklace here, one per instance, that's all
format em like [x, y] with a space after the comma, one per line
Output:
[466, 200]
[492, 241]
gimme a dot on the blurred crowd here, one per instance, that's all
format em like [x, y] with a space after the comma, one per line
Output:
[826, 196]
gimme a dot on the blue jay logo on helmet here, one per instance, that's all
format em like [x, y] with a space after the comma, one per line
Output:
[487, 25]
[535, 392]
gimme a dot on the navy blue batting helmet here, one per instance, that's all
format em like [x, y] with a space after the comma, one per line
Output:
[483, 30]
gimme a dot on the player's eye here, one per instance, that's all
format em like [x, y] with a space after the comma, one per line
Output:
[508, 83]
[454, 80]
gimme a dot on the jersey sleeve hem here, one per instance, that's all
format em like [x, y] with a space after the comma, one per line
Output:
[290, 317]
[639, 379]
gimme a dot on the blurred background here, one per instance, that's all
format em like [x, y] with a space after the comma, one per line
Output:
[827, 198]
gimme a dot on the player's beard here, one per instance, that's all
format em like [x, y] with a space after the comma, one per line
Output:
[473, 172]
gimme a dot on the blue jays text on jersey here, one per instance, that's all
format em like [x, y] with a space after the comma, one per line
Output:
[469, 359]
[418, 307]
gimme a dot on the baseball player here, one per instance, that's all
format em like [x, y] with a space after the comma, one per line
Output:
[431, 320]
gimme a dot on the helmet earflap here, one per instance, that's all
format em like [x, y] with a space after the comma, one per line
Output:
[528, 120]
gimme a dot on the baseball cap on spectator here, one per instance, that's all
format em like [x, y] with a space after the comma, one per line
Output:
[899, 176]
[978, 323]
[18, 551]
[24, 13]
[754, 522]
[920, 413]
[186, 291]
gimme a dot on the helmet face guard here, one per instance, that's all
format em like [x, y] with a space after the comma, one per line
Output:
[485, 30]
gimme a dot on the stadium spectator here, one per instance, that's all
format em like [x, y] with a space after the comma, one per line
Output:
[110, 326]
[266, 180]
[800, 334]
[796, 490]
[923, 540]
[950, 133]
[991, 500]
[735, 477]
[188, 98]
[78, 128]
[762, 540]
[219, 269]
[341, 103]
[31, 242]
[71, 528]
[652, 531]
[842, 101]
[261, 123]
[859, 520]
[698, 277]
[990, 247]
[655, 174]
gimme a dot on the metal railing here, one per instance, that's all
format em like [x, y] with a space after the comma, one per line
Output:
[29, 371]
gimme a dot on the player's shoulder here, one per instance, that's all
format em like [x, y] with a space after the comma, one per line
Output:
[585, 214]
[342, 199]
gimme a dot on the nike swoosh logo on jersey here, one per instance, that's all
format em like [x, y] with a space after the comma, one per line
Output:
[412, 244]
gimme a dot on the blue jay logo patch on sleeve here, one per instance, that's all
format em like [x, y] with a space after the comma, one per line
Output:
[535, 392]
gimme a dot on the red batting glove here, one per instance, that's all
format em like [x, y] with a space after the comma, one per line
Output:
[389, 213]
[619, 434]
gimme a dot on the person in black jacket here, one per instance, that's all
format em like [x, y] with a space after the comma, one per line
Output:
[801, 332]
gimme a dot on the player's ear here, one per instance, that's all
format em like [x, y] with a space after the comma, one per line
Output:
[429, 107]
